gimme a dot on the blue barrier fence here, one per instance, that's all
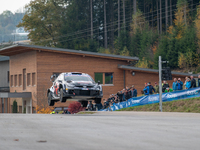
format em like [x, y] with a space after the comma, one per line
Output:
[144, 100]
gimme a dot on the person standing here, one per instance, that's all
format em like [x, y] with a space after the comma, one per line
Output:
[175, 85]
[180, 84]
[165, 85]
[186, 78]
[133, 91]
[145, 89]
[156, 87]
[150, 89]
[199, 81]
[193, 82]
[188, 83]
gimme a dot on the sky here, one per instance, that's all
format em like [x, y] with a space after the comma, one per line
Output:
[12, 5]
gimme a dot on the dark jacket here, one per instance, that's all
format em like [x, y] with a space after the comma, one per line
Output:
[193, 83]
[151, 89]
[164, 87]
[198, 82]
[134, 93]
[120, 95]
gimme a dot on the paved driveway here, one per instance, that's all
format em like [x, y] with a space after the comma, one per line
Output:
[99, 131]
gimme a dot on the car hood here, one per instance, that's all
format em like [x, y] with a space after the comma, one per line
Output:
[79, 83]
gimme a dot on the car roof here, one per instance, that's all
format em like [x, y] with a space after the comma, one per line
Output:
[75, 73]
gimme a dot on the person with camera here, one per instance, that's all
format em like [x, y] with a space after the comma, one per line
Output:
[180, 84]
[90, 106]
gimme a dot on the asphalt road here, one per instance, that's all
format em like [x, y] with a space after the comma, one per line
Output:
[106, 130]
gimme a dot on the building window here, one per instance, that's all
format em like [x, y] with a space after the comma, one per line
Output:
[33, 79]
[108, 78]
[104, 78]
[28, 79]
[20, 79]
[24, 79]
[15, 80]
[98, 77]
[8, 75]
[11, 80]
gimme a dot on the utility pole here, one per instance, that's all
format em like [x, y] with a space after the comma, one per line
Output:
[160, 83]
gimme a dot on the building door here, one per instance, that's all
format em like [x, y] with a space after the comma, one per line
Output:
[2, 105]
[24, 79]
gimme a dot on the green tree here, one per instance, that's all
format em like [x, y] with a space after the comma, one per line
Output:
[43, 20]
[14, 107]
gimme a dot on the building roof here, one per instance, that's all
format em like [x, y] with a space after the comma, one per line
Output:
[15, 95]
[4, 58]
[125, 67]
[21, 48]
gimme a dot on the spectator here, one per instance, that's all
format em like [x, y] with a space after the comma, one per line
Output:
[145, 89]
[123, 92]
[193, 82]
[168, 90]
[120, 95]
[127, 93]
[90, 106]
[175, 85]
[180, 84]
[188, 83]
[99, 106]
[165, 85]
[186, 78]
[150, 89]
[133, 92]
[199, 81]
[156, 87]
[104, 105]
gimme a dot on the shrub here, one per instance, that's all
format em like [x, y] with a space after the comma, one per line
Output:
[75, 107]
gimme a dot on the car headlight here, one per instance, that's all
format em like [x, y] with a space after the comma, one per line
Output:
[69, 85]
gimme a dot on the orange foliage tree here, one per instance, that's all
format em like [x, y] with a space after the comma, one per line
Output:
[42, 103]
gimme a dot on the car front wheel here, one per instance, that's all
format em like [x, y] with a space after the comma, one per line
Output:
[62, 99]
[50, 101]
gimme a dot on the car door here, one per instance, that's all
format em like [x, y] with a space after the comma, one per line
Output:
[57, 83]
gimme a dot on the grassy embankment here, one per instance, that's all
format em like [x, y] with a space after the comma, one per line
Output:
[187, 105]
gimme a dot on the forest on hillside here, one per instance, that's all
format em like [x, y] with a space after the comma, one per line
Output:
[8, 23]
[146, 29]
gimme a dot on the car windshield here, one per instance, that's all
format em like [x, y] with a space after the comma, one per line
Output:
[78, 78]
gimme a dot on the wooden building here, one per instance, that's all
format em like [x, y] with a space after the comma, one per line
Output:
[31, 67]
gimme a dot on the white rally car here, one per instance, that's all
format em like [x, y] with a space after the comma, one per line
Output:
[75, 86]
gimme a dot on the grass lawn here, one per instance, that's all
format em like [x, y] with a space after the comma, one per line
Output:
[187, 105]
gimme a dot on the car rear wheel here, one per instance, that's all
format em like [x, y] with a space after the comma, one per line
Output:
[62, 99]
[50, 101]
